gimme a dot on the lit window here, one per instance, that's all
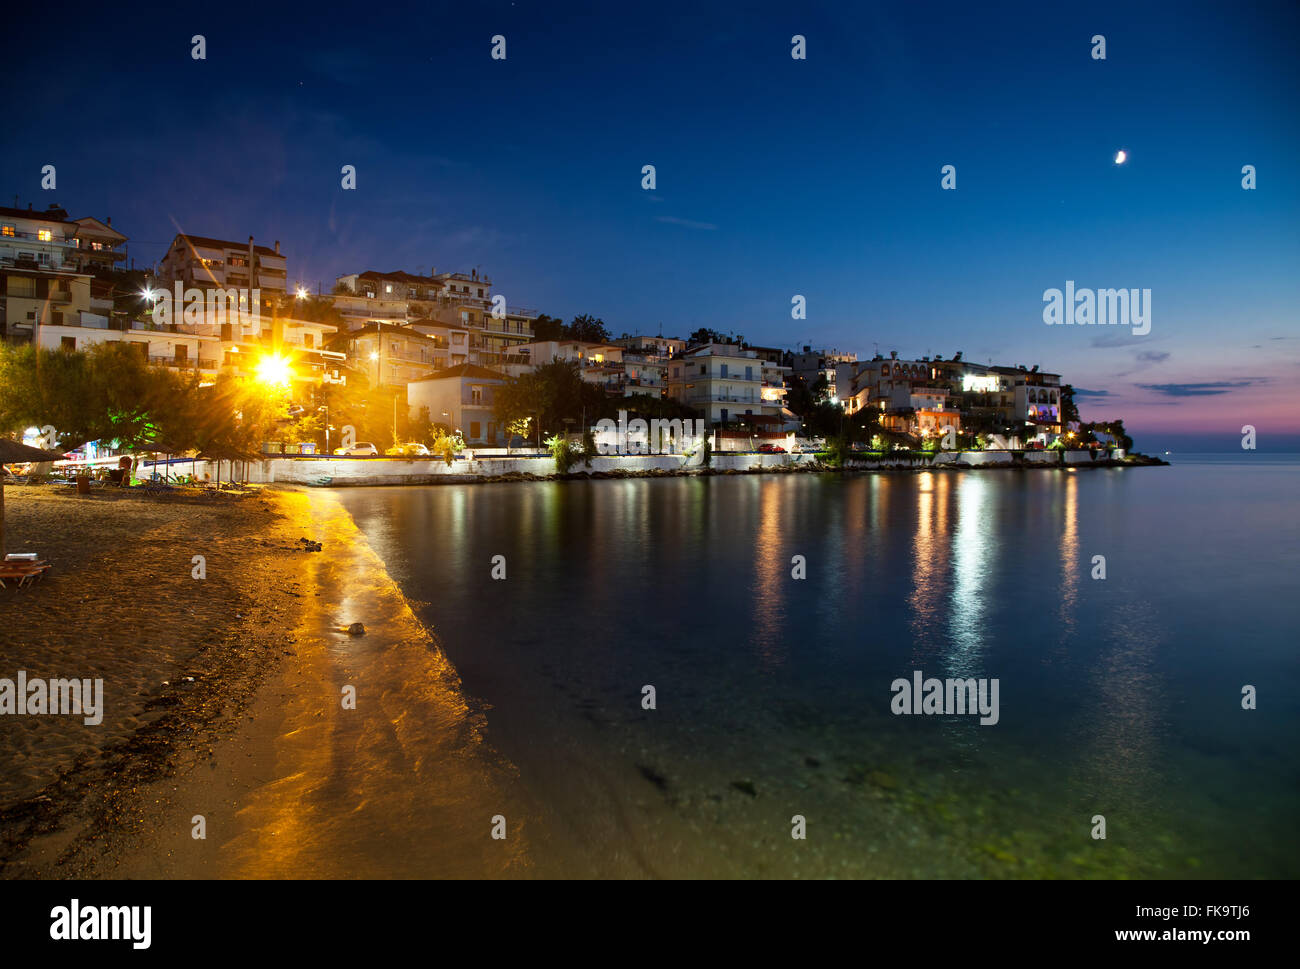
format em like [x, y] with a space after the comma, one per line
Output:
[44, 235]
[7, 230]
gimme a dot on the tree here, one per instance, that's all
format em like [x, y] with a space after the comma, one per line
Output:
[709, 335]
[548, 328]
[517, 428]
[314, 309]
[108, 393]
[446, 445]
[1069, 410]
[587, 328]
[549, 394]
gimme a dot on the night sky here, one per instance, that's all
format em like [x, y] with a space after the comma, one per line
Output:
[775, 176]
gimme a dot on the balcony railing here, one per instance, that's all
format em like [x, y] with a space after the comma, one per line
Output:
[721, 399]
[187, 364]
[34, 237]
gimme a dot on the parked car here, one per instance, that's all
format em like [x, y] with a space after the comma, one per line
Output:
[411, 450]
[358, 450]
[770, 449]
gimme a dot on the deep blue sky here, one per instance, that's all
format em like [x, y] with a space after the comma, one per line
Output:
[775, 176]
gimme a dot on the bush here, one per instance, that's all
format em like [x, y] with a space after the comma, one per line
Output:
[564, 453]
[447, 445]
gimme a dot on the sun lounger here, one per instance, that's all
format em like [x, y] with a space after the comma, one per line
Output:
[21, 573]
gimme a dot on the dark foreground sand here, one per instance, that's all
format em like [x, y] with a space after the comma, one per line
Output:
[180, 657]
[224, 702]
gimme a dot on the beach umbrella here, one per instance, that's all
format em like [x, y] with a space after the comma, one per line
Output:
[11, 452]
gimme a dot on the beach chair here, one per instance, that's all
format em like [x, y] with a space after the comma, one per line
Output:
[21, 572]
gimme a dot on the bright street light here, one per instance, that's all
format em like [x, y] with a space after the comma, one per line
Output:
[274, 371]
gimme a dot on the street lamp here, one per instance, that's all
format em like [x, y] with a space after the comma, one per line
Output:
[274, 371]
[326, 409]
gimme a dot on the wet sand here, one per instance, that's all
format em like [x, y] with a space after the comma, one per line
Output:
[400, 786]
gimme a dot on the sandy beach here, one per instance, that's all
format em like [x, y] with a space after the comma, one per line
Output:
[227, 704]
[179, 657]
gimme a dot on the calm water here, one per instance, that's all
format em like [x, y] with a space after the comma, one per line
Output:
[1119, 697]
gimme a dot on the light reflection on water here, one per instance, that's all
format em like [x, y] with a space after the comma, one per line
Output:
[686, 584]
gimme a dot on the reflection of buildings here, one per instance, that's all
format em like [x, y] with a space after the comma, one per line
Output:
[771, 572]
[972, 558]
[1070, 563]
[930, 552]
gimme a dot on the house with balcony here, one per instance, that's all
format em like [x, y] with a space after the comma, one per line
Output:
[461, 398]
[31, 299]
[391, 354]
[100, 247]
[39, 240]
[836, 368]
[204, 263]
[39, 280]
[724, 382]
[158, 345]
[457, 301]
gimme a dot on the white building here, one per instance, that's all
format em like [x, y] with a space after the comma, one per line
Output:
[725, 383]
[460, 398]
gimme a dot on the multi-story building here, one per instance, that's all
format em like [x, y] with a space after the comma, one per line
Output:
[199, 262]
[42, 240]
[393, 355]
[724, 382]
[457, 301]
[835, 367]
[39, 280]
[1036, 397]
[35, 298]
[100, 247]
[653, 346]
[159, 345]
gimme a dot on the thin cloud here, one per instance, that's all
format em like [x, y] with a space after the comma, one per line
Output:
[689, 223]
[1121, 339]
[1198, 390]
[1084, 392]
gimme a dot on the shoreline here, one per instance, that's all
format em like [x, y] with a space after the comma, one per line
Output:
[355, 476]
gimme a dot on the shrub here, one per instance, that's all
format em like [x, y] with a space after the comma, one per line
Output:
[563, 452]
